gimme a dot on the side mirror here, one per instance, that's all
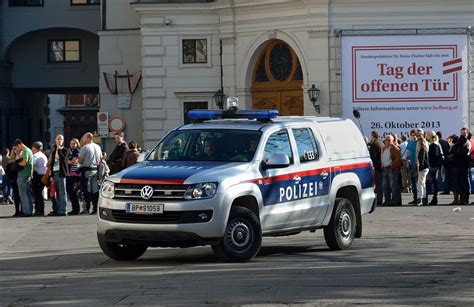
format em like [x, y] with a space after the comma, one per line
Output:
[356, 113]
[277, 160]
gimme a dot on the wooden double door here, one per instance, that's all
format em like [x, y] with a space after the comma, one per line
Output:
[277, 80]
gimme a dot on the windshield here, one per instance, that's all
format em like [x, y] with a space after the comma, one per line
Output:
[207, 145]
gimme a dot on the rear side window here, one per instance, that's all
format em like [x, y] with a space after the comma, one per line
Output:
[306, 145]
[278, 142]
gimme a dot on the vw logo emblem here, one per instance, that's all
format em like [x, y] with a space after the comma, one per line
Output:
[147, 192]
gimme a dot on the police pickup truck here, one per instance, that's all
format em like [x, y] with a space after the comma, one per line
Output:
[233, 176]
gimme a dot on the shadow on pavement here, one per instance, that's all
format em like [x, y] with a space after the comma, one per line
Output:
[280, 274]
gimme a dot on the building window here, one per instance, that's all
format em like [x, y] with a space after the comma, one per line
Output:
[82, 100]
[64, 51]
[25, 2]
[85, 2]
[190, 105]
[194, 51]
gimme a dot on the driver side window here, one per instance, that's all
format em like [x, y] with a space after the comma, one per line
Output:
[278, 142]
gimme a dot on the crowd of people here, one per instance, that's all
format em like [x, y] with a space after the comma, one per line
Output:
[415, 164]
[419, 163]
[63, 174]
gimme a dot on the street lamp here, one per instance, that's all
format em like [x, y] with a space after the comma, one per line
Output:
[313, 94]
[219, 98]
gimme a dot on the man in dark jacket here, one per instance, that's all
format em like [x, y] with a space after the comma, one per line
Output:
[443, 143]
[60, 169]
[118, 154]
[435, 160]
[375, 150]
[462, 168]
[443, 173]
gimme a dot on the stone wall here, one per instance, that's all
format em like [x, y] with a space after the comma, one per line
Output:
[311, 28]
[121, 51]
[168, 83]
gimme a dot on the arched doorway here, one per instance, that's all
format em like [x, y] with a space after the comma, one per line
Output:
[277, 80]
[54, 77]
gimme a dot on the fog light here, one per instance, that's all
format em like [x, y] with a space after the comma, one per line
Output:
[203, 216]
[104, 212]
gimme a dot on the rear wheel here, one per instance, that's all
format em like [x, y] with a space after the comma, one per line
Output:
[121, 251]
[340, 232]
[242, 238]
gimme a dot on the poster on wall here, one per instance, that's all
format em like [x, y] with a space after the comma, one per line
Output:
[400, 83]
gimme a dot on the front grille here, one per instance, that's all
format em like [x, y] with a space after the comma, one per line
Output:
[161, 191]
[167, 217]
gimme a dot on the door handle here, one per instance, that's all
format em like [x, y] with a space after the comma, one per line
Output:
[324, 175]
[296, 179]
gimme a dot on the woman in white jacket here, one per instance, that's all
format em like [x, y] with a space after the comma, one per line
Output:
[423, 167]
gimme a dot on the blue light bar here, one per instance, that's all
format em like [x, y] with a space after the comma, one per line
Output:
[204, 114]
[242, 114]
[257, 114]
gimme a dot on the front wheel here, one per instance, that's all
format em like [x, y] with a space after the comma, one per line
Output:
[340, 232]
[121, 251]
[242, 238]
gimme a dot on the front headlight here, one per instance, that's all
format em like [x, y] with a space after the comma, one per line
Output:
[107, 190]
[201, 190]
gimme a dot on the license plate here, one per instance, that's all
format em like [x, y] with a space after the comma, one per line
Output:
[144, 208]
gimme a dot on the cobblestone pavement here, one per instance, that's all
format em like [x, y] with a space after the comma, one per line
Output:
[407, 255]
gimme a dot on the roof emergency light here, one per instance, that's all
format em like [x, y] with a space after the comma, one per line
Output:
[232, 103]
[201, 115]
[232, 112]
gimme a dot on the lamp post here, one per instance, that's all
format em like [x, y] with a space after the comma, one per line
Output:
[313, 94]
[219, 98]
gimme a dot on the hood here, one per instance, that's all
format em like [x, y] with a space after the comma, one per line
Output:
[165, 172]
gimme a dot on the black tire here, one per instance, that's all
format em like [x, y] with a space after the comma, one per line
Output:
[242, 238]
[119, 251]
[340, 232]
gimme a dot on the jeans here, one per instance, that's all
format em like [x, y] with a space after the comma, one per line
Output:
[443, 180]
[434, 182]
[16, 196]
[25, 194]
[469, 176]
[404, 173]
[378, 186]
[90, 188]
[6, 188]
[61, 195]
[71, 182]
[391, 187]
[411, 172]
[38, 187]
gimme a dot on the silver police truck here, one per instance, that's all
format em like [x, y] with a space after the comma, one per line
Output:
[233, 176]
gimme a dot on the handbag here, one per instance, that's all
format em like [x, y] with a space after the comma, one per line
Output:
[45, 178]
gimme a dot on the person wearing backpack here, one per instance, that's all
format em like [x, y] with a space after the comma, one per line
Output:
[435, 161]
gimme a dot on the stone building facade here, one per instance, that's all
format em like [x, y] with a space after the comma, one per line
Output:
[48, 47]
[267, 52]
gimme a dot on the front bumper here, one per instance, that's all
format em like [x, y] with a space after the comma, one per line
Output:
[181, 220]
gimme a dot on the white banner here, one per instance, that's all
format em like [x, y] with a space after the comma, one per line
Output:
[400, 83]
